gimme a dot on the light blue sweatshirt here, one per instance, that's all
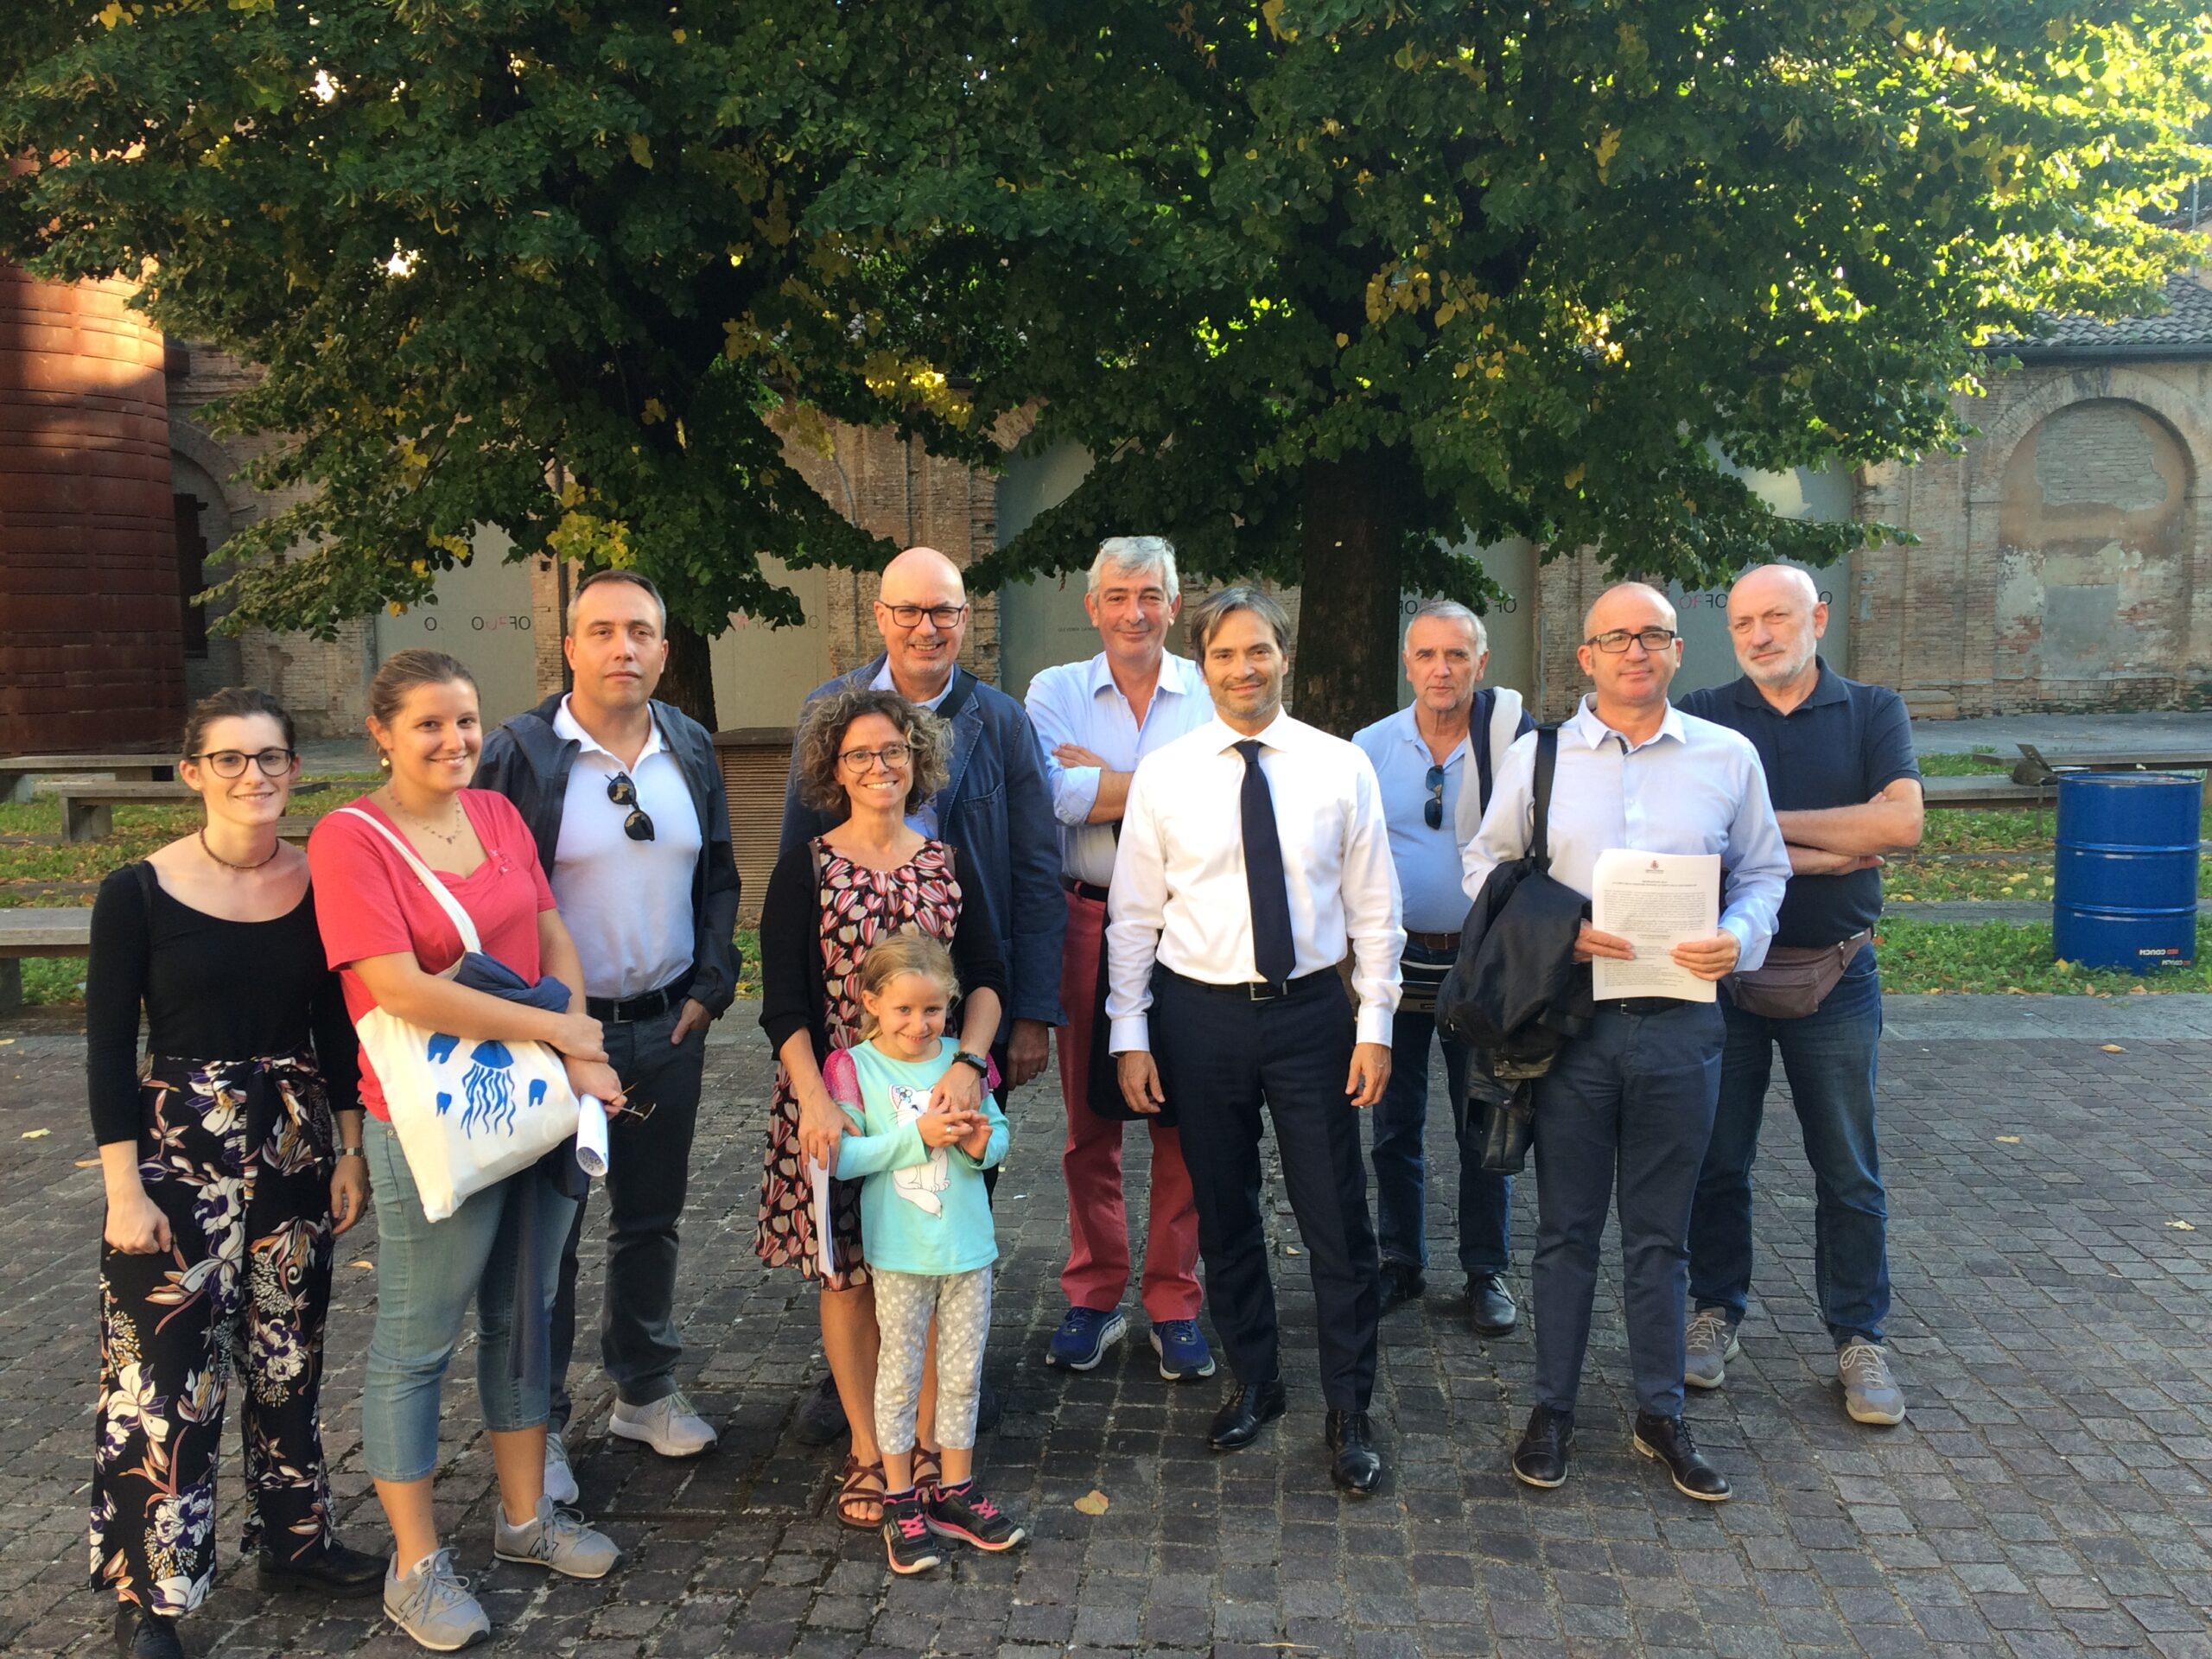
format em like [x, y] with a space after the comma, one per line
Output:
[921, 1212]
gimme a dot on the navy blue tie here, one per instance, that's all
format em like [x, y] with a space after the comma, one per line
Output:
[1273, 952]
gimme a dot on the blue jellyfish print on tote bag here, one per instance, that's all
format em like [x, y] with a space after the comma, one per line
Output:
[489, 1089]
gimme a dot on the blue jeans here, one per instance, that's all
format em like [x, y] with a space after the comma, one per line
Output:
[1395, 1152]
[1829, 1059]
[427, 1274]
[1634, 1096]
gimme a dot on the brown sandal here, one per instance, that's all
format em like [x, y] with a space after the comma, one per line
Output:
[929, 1469]
[859, 1488]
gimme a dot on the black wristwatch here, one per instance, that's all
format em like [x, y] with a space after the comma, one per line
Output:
[982, 1062]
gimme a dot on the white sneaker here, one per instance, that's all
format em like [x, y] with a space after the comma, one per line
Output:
[432, 1604]
[557, 1538]
[669, 1425]
[560, 1479]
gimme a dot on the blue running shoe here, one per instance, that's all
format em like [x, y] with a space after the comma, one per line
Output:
[1083, 1338]
[1184, 1356]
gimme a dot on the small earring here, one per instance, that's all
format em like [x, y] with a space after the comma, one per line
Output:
[384, 763]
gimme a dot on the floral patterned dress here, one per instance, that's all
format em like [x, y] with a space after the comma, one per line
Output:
[858, 905]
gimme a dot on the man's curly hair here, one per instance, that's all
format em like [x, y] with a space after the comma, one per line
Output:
[821, 731]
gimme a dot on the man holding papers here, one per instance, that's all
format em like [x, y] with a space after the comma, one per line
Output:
[1638, 1092]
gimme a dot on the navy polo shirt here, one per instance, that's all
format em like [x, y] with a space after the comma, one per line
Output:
[1841, 746]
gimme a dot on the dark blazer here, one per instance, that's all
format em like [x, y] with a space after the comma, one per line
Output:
[997, 809]
[793, 996]
[527, 761]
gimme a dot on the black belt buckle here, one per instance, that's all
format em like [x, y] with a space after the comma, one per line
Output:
[1266, 990]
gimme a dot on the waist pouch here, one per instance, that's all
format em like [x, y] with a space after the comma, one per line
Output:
[1796, 979]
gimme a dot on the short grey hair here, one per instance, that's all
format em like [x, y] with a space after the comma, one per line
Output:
[1214, 608]
[1450, 610]
[1136, 556]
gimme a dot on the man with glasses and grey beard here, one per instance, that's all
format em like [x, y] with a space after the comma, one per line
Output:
[625, 797]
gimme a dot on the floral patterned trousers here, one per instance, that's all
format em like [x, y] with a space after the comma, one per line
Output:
[238, 1155]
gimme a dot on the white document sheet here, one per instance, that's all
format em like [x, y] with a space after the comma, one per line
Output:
[825, 1247]
[1654, 902]
[591, 1136]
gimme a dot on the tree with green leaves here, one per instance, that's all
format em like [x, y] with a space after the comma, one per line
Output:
[1324, 287]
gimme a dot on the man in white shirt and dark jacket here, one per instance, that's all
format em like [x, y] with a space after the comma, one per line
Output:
[1253, 857]
[624, 798]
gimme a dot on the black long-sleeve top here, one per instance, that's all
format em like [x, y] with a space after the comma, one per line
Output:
[793, 996]
[213, 989]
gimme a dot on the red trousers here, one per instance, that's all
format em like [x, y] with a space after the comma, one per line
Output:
[1098, 1224]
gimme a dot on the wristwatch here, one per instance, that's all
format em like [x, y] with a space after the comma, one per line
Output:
[980, 1062]
[352, 1152]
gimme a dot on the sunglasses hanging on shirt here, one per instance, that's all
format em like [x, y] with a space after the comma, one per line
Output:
[638, 825]
[1432, 809]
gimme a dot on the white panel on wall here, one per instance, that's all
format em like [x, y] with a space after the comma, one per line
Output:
[482, 616]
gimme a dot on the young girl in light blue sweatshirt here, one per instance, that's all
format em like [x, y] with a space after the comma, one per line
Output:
[925, 1230]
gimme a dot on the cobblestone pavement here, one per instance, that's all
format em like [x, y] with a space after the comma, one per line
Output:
[2052, 1247]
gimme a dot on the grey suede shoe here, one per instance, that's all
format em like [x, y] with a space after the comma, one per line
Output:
[433, 1605]
[1869, 1393]
[1710, 1343]
[556, 1538]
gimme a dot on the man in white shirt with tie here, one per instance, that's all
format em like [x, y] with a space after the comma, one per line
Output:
[1097, 720]
[1632, 1100]
[1253, 857]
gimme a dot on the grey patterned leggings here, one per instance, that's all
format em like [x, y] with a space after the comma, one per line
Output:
[904, 1303]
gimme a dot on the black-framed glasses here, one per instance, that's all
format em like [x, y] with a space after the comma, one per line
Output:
[1616, 640]
[893, 755]
[1432, 809]
[638, 825]
[231, 763]
[909, 616]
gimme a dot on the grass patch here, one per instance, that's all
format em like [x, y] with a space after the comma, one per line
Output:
[1990, 957]
[1962, 765]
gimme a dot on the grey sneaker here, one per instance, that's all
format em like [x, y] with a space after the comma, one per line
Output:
[560, 1479]
[1869, 1393]
[1710, 1343]
[432, 1604]
[669, 1425]
[556, 1538]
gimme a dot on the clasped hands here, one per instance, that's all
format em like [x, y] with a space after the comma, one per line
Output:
[1712, 957]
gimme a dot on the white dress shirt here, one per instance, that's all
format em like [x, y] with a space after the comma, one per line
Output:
[1079, 704]
[923, 819]
[1180, 896]
[627, 904]
[1691, 787]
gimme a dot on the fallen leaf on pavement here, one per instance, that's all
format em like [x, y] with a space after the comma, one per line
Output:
[363, 1262]
[2113, 1048]
[2008, 1139]
[1093, 1502]
[2183, 1226]
[88, 1163]
[36, 1134]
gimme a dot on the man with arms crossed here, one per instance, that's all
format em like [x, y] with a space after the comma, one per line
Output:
[1437, 761]
[625, 797]
[1635, 1095]
[1254, 856]
[1097, 720]
[1838, 757]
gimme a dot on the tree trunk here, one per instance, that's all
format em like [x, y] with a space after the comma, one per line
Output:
[689, 680]
[1353, 523]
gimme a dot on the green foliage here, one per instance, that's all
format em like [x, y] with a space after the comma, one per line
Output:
[1990, 957]
[554, 265]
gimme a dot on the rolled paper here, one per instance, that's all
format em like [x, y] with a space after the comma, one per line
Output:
[591, 1136]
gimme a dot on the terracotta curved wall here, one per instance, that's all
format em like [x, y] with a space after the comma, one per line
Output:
[90, 629]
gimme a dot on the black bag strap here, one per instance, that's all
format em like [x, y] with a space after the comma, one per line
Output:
[1547, 761]
[1478, 740]
[963, 689]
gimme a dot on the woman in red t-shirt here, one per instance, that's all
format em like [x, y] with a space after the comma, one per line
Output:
[390, 939]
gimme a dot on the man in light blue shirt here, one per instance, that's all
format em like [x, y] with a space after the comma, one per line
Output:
[1097, 720]
[1436, 761]
[1638, 1092]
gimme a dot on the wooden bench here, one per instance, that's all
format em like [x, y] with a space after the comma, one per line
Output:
[19, 774]
[2036, 768]
[37, 933]
[88, 809]
[1987, 793]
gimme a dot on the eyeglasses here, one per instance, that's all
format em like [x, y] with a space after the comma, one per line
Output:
[1433, 808]
[1613, 643]
[893, 755]
[942, 616]
[231, 763]
[638, 825]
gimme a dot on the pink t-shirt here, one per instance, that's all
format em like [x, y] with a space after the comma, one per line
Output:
[370, 904]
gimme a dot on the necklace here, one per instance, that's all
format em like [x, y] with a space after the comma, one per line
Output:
[226, 863]
[451, 837]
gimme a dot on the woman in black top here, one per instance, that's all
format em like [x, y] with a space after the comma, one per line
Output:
[228, 1176]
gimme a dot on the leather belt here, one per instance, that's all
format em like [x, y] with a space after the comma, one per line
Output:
[1259, 990]
[1644, 1006]
[1433, 941]
[623, 1011]
[1084, 890]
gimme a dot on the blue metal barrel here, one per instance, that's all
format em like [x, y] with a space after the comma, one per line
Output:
[2126, 887]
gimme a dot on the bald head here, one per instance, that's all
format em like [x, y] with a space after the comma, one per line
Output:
[1631, 682]
[1763, 581]
[922, 613]
[1628, 604]
[1775, 619]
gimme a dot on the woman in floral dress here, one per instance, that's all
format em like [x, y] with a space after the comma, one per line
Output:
[878, 756]
[230, 1168]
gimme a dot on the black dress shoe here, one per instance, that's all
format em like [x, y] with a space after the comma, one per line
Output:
[145, 1636]
[335, 1569]
[1541, 1458]
[821, 1414]
[1489, 1306]
[1250, 1407]
[1357, 1466]
[1668, 1439]
[1402, 1283]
